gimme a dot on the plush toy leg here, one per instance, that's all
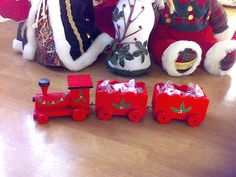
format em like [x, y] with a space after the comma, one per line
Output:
[20, 39]
[31, 46]
[220, 57]
[172, 54]
[158, 47]
[104, 21]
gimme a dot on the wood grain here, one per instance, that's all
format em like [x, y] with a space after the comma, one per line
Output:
[117, 148]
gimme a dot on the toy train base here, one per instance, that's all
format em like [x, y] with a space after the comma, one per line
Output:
[76, 103]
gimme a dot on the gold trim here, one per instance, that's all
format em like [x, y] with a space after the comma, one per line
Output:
[168, 20]
[184, 66]
[190, 17]
[73, 26]
[171, 6]
[190, 8]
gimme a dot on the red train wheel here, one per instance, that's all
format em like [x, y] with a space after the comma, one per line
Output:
[79, 115]
[42, 119]
[163, 117]
[135, 116]
[194, 121]
[104, 114]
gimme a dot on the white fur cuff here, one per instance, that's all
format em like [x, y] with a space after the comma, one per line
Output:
[29, 52]
[215, 54]
[17, 45]
[225, 35]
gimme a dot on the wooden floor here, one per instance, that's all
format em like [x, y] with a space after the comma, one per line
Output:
[117, 148]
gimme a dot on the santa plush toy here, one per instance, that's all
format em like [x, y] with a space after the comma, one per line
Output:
[61, 33]
[192, 33]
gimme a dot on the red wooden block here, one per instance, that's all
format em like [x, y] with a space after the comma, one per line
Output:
[120, 103]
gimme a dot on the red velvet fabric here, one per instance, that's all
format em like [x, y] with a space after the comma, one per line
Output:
[103, 16]
[103, 19]
[15, 10]
[162, 37]
[234, 37]
[107, 2]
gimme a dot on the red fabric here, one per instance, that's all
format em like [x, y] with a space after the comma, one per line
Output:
[186, 55]
[218, 17]
[107, 2]
[228, 61]
[200, 2]
[103, 18]
[203, 13]
[162, 37]
[157, 47]
[232, 55]
[15, 10]
[234, 37]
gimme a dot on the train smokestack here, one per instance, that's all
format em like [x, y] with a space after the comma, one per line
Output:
[44, 84]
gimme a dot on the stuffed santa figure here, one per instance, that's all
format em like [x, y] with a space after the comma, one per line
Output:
[61, 33]
[192, 33]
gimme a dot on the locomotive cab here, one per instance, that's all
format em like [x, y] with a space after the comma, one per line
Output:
[79, 86]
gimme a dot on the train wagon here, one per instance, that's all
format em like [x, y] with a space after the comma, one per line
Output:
[182, 106]
[121, 103]
[75, 103]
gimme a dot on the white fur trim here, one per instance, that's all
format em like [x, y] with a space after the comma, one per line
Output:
[160, 3]
[31, 46]
[215, 54]
[17, 45]
[225, 35]
[171, 54]
[63, 47]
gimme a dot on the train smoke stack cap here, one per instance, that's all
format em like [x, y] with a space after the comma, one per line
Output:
[44, 82]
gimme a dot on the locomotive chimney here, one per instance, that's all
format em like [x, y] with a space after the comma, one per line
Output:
[44, 83]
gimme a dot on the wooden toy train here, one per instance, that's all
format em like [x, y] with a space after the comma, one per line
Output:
[131, 102]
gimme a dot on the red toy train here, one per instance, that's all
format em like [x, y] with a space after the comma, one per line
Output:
[117, 98]
[181, 107]
[75, 103]
[121, 103]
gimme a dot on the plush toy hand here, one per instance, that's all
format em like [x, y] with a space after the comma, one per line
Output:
[218, 20]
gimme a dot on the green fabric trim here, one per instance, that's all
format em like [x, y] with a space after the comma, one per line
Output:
[128, 73]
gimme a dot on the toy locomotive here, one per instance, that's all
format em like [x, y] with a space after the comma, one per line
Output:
[120, 99]
[75, 103]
